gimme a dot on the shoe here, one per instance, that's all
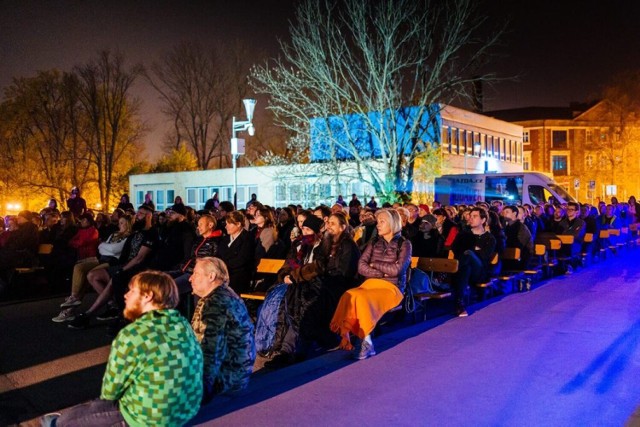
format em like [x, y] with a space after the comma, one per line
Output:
[356, 342]
[569, 270]
[66, 315]
[461, 311]
[80, 322]
[366, 350]
[280, 361]
[111, 313]
[71, 301]
[48, 419]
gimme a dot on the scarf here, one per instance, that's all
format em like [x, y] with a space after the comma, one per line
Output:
[306, 244]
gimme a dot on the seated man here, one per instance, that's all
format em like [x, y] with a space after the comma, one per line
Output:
[224, 329]
[518, 236]
[473, 249]
[163, 390]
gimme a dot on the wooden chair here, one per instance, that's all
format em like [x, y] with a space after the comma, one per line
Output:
[266, 266]
[603, 243]
[432, 266]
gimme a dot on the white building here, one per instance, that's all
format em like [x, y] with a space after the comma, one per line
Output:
[471, 143]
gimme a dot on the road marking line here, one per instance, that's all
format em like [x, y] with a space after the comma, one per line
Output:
[45, 371]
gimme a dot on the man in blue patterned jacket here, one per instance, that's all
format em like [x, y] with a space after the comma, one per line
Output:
[224, 329]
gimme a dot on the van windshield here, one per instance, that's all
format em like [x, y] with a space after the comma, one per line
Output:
[561, 192]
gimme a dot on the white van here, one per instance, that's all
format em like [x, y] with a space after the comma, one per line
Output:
[511, 188]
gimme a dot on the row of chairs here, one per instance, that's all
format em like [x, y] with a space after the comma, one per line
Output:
[547, 260]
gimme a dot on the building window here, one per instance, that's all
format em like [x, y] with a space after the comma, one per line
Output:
[589, 135]
[281, 193]
[526, 161]
[588, 161]
[559, 138]
[160, 200]
[191, 196]
[525, 137]
[559, 165]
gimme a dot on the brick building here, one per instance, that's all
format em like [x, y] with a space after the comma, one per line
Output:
[593, 150]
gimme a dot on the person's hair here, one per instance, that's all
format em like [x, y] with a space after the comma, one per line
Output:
[160, 285]
[512, 208]
[210, 219]
[215, 266]
[404, 213]
[393, 217]
[128, 227]
[68, 215]
[326, 211]
[226, 206]
[267, 214]
[289, 211]
[125, 196]
[483, 214]
[574, 205]
[235, 217]
[494, 220]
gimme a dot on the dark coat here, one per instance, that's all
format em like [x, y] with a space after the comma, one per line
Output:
[239, 258]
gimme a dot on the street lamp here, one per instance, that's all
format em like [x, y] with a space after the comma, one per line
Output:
[237, 145]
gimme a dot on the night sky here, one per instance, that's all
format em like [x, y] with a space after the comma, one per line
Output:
[561, 51]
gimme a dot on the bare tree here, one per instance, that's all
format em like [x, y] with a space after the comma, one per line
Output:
[202, 91]
[45, 117]
[622, 109]
[353, 61]
[112, 126]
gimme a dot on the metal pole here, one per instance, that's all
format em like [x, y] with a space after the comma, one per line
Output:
[234, 160]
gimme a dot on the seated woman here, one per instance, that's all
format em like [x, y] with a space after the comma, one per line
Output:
[236, 249]
[384, 264]
[266, 235]
[298, 273]
[108, 254]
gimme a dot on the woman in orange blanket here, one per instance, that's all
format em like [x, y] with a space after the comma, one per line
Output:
[384, 264]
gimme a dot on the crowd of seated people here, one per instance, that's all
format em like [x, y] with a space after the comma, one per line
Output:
[345, 266]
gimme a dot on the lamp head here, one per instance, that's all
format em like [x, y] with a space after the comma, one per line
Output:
[251, 130]
[249, 106]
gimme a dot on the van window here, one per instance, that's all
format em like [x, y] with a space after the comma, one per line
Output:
[507, 188]
[538, 194]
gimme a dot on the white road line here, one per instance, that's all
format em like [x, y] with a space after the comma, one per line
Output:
[55, 368]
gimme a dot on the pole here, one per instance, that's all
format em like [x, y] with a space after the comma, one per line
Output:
[234, 162]
[234, 159]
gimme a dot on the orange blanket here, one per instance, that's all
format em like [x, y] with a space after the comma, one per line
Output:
[359, 309]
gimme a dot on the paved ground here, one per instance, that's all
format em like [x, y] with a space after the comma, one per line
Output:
[564, 354]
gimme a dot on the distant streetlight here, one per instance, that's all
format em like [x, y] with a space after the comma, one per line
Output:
[237, 145]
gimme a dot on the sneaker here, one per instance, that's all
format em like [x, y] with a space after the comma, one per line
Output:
[71, 301]
[461, 311]
[49, 419]
[66, 315]
[80, 322]
[366, 350]
[569, 270]
[111, 313]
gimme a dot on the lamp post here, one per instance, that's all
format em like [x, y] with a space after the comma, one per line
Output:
[237, 145]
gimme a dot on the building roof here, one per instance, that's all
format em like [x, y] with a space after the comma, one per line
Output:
[540, 113]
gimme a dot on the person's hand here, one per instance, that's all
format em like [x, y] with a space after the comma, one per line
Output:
[287, 280]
